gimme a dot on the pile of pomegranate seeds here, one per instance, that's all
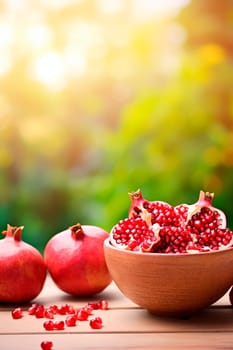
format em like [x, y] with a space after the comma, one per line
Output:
[158, 227]
[71, 316]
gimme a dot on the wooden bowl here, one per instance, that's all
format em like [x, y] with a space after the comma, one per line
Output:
[171, 284]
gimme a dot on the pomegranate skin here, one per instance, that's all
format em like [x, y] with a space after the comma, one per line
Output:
[76, 263]
[22, 270]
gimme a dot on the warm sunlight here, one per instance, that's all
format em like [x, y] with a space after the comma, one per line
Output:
[39, 36]
[49, 69]
[80, 46]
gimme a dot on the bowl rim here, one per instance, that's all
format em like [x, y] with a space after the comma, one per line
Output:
[107, 243]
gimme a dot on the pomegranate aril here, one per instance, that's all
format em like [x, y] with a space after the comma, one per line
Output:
[70, 321]
[94, 305]
[62, 309]
[59, 325]
[39, 311]
[46, 345]
[49, 314]
[54, 309]
[96, 323]
[82, 315]
[32, 309]
[70, 310]
[49, 325]
[17, 313]
[103, 305]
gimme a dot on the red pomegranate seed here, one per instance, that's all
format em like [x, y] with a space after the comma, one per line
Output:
[82, 315]
[48, 314]
[46, 345]
[103, 305]
[70, 310]
[94, 305]
[54, 308]
[96, 323]
[39, 312]
[70, 321]
[49, 325]
[62, 310]
[17, 313]
[59, 325]
[32, 309]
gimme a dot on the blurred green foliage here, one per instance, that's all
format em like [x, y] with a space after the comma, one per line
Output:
[153, 110]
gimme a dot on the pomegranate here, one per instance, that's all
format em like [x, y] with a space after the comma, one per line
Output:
[75, 259]
[156, 226]
[22, 268]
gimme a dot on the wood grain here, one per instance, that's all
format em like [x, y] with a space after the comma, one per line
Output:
[125, 326]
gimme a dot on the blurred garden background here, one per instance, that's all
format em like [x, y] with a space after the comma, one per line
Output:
[101, 97]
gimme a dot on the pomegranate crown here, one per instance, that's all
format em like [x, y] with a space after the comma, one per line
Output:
[13, 231]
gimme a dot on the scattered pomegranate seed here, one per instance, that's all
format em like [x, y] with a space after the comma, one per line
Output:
[62, 310]
[88, 309]
[32, 309]
[103, 305]
[49, 314]
[70, 309]
[96, 323]
[49, 325]
[46, 345]
[82, 315]
[39, 311]
[17, 313]
[94, 305]
[70, 321]
[59, 325]
[54, 308]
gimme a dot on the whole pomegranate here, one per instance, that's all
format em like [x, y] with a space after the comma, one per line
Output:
[22, 268]
[76, 262]
[156, 226]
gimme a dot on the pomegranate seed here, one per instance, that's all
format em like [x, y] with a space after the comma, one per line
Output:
[48, 314]
[62, 310]
[96, 323]
[59, 325]
[82, 315]
[54, 309]
[39, 311]
[32, 309]
[95, 306]
[70, 310]
[70, 321]
[103, 305]
[17, 313]
[88, 309]
[49, 325]
[46, 345]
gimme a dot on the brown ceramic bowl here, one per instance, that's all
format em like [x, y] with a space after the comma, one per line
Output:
[171, 284]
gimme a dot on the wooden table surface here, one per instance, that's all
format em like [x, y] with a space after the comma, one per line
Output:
[125, 326]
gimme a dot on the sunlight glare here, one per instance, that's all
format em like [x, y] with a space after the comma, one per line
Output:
[144, 8]
[57, 4]
[109, 7]
[49, 69]
[75, 62]
[39, 35]
[6, 33]
[5, 63]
